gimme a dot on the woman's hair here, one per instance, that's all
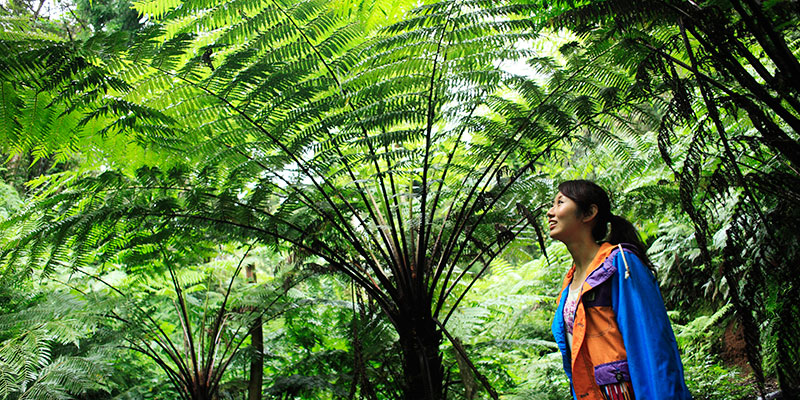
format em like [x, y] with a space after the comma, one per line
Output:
[585, 193]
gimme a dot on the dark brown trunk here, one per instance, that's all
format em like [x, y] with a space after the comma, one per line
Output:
[422, 361]
[257, 347]
[200, 391]
[750, 328]
[788, 346]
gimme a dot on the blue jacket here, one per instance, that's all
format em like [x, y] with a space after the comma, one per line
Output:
[621, 331]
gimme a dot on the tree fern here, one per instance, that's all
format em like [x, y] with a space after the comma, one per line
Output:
[391, 154]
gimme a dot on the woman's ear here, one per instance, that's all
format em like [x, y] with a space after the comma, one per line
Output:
[590, 214]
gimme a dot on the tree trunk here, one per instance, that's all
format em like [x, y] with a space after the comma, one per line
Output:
[788, 345]
[422, 361]
[201, 391]
[257, 340]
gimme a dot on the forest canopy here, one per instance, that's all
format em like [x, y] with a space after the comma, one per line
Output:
[308, 199]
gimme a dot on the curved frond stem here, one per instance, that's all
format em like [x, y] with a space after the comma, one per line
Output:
[424, 230]
[760, 161]
[461, 220]
[715, 117]
[403, 245]
[183, 312]
[263, 311]
[672, 59]
[168, 347]
[775, 137]
[493, 167]
[328, 254]
[289, 224]
[178, 381]
[740, 48]
[460, 349]
[218, 321]
[486, 263]
[437, 244]
[491, 170]
[519, 173]
[304, 201]
[308, 202]
[349, 231]
[228, 358]
[374, 211]
[773, 44]
[741, 75]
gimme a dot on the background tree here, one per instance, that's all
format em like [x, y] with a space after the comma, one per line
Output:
[109, 15]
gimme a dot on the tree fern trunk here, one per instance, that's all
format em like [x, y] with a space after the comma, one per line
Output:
[201, 392]
[788, 346]
[422, 361]
[257, 339]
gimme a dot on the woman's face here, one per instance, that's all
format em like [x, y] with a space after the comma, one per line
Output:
[565, 219]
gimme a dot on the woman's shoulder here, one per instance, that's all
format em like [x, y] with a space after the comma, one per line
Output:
[605, 251]
[628, 259]
[623, 250]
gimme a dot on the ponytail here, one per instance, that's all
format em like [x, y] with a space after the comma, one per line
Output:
[623, 231]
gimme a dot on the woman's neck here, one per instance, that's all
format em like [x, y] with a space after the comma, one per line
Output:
[583, 252]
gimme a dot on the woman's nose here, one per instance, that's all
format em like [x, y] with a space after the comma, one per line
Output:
[550, 213]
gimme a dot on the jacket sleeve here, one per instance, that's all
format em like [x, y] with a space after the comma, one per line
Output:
[653, 358]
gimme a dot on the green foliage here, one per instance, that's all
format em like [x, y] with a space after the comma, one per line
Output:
[706, 376]
[392, 144]
[708, 72]
[41, 355]
[109, 15]
[504, 325]
[545, 380]
[332, 346]
[322, 135]
[10, 201]
[709, 380]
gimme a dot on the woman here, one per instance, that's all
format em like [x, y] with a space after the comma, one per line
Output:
[611, 325]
